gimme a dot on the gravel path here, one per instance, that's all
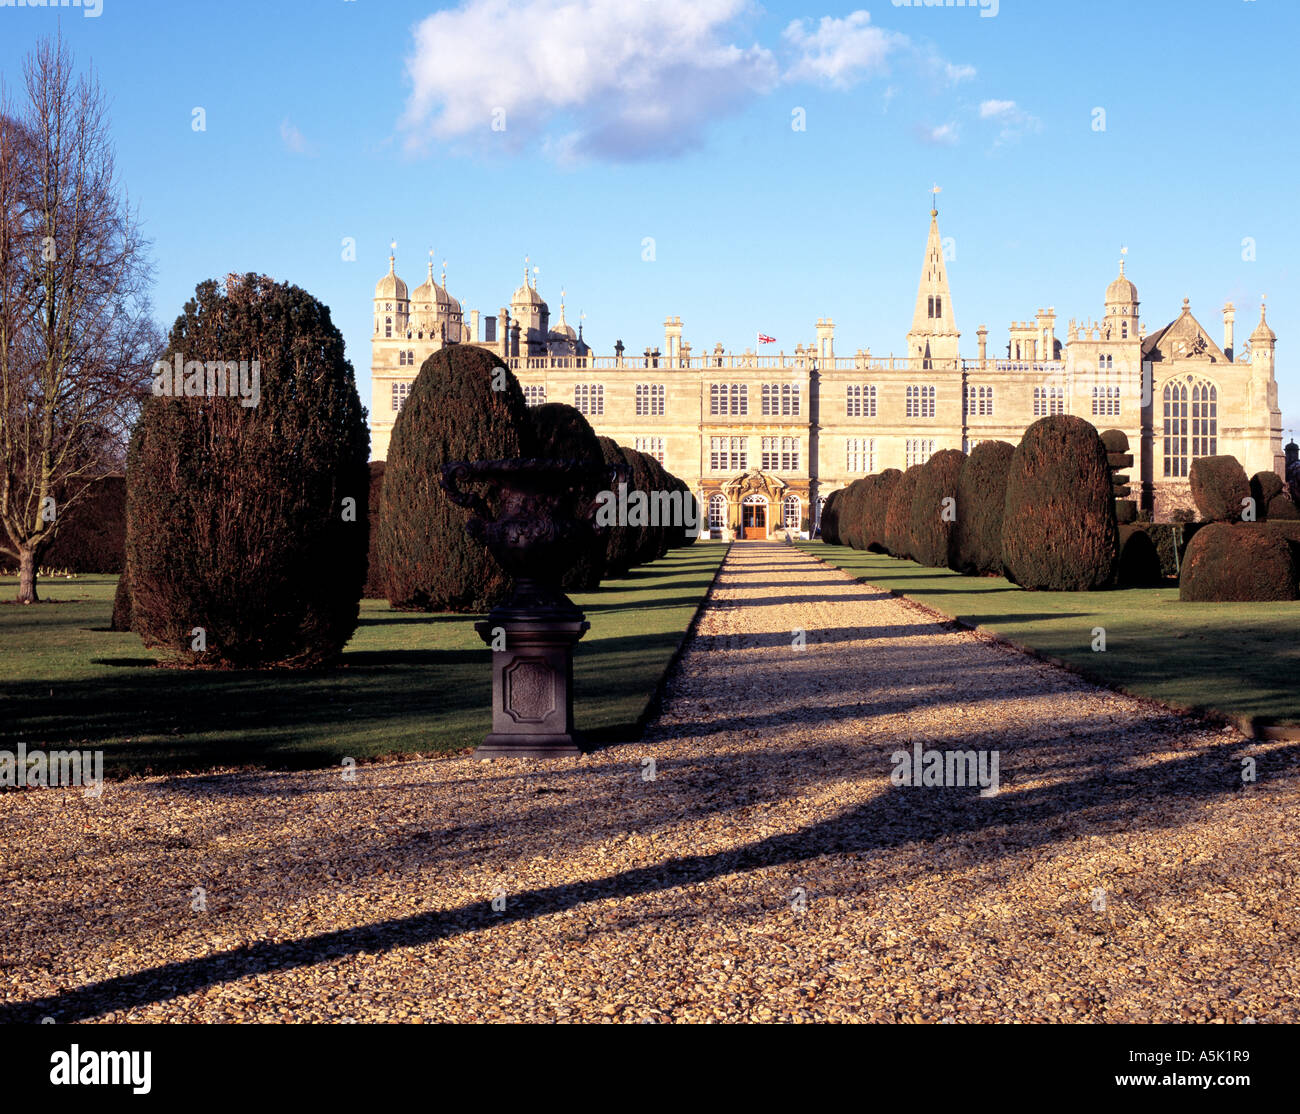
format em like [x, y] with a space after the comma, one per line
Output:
[764, 868]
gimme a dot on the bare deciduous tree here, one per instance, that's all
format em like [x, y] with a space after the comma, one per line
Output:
[76, 336]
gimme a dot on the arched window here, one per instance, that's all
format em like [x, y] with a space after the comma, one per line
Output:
[791, 512]
[1205, 420]
[1175, 399]
[717, 511]
[388, 326]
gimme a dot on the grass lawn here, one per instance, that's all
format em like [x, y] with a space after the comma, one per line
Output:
[1238, 659]
[408, 682]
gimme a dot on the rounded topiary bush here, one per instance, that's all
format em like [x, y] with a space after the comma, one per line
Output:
[1139, 560]
[560, 432]
[1281, 508]
[645, 473]
[981, 499]
[453, 413]
[898, 514]
[1239, 563]
[853, 508]
[830, 519]
[935, 509]
[876, 509]
[1219, 487]
[1058, 524]
[250, 522]
[621, 541]
[1115, 440]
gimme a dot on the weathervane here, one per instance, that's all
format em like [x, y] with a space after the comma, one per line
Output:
[935, 190]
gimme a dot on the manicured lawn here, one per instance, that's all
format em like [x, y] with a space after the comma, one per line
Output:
[1239, 659]
[407, 682]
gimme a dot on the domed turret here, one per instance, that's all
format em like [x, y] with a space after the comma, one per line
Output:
[390, 286]
[563, 330]
[1121, 291]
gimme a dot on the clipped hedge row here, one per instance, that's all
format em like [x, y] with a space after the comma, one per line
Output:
[935, 509]
[981, 500]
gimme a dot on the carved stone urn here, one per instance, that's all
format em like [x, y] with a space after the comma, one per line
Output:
[536, 519]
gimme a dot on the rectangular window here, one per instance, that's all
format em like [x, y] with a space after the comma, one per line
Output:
[400, 391]
[589, 399]
[979, 401]
[789, 399]
[919, 451]
[1105, 402]
[651, 446]
[920, 402]
[535, 395]
[649, 400]
[729, 399]
[789, 454]
[768, 454]
[860, 455]
[728, 454]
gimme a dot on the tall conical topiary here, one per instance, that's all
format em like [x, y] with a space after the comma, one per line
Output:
[560, 432]
[465, 405]
[246, 524]
[1058, 525]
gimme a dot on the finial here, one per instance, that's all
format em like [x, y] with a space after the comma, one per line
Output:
[392, 255]
[535, 269]
[525, 272]
[935, 190]
[444, 272]
[1186, 304]
[431, 265]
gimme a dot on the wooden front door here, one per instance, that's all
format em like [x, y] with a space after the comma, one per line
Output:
[753, 520]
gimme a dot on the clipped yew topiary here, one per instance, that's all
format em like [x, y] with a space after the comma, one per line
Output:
[831, 517]
[560, 432]
[621, 541]
[877, 508]
[1139, 562]
[1058, 524]
[1219, 487]
[981, 499]
[464, 405]
[898, 515]
[935, 509]
[246, 524]
[1239, 562]
[853, 509]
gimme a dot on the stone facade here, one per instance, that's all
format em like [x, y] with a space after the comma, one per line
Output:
[782, 432]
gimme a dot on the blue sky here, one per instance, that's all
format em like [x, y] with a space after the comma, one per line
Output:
[673, 120]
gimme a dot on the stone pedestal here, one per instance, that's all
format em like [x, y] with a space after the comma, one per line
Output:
[532, 682]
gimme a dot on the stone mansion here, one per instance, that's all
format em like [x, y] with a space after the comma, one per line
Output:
[762, 440]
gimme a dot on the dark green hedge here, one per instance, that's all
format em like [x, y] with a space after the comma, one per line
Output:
[1170, 540]
[427, 560]
[375, 589]
[981, 500]
[853, 509]
[830, 520]
[876, 508]
[898, 516]
[561, 432]
[1240, 562]
[92, 536]
[251, 522]
[933, 526]
[1058, 527]
[1219, 487]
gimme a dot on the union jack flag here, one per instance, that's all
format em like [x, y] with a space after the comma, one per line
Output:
[763, 338]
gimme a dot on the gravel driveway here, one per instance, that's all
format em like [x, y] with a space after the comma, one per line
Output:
[751, 859]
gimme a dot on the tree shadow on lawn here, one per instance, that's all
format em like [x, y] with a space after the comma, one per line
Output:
[1111, 798]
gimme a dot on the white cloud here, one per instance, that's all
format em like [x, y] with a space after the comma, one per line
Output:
[623, 80]
[294, 140]
[1014, 120]
[841, 52]
[996, 108]
[942, 135]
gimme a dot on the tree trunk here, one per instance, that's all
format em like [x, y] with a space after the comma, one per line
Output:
[27, 575]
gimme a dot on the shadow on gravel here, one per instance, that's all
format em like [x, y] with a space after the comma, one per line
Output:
[1103, 793]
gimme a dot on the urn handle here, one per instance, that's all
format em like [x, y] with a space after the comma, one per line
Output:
[458, 472]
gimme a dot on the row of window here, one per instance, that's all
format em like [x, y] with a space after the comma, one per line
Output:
[779, 454]
[791, 511]
[651, 446]
[1203, 427]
